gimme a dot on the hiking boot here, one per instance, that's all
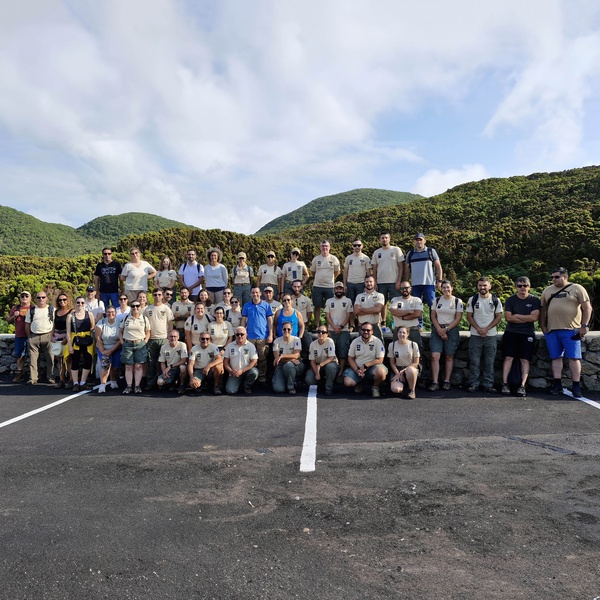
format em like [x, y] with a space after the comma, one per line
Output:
[576, 390]
[18, 377]
[505, 388]
[472, 389]
[446, 385]
[556, 388]
[434, 387]
[375, 393]
[127, 390]
[137, 390]
[217, 391]
[59, 384]
[521, 391]
[76, 388]
[489, 390]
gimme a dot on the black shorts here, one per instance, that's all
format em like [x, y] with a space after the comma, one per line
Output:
[518, 345]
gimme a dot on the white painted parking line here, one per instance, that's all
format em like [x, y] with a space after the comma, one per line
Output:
[586, 400]
[309, 447]
[43, 408]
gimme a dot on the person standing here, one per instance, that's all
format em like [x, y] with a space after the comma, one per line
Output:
[356, 267]
[387, 269]
[215, 275]
[108, 345]
[422, 267]
[134, 333]
[136, 274]
[521, 311]
[191, 275]
[369, 306]
[293, 270]
[325, 268]
[257, 319]
[242, 276]
[93, 304]
[406, 311]
[304, 306]
[565, 318]
[80, 341]
[239, 361]
[484, 312]
[17, 317]
[269, 274]
[106, 278]
[39, 323]
[166, 277]
[339, 314]
[161, 319]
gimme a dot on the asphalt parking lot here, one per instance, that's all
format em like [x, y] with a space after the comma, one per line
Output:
[446, 496]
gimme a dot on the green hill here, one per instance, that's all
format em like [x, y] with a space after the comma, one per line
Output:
[328, 208]
[22, 234]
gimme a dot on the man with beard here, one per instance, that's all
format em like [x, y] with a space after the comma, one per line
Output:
[407, 310]
[338, 312]
[106, 279]
[369, 306]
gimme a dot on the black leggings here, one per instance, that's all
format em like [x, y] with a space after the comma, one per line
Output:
[81, 357]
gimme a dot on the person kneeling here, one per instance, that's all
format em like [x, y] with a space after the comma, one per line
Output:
[323, 361]
[365, 360]
[404, 361]
[205, 363]
[287, 363]
[172, 360]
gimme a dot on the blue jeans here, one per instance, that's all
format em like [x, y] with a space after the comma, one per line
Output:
[110, 298]
[482, 348]
[248, 378]
[285, 376]
[328, 372]
[426, 292]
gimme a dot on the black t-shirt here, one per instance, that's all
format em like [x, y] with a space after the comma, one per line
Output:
[517, 306]
[109, 276]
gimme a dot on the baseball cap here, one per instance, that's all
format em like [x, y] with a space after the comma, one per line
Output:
[241, 255]
[90, 288]
[419, 235]
[339, 284]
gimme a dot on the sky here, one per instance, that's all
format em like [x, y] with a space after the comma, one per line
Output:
[228, 113]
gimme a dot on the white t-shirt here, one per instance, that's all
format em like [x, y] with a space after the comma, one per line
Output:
[484, 312]
[136, 278]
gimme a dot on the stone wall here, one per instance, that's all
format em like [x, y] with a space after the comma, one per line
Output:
[540, 376]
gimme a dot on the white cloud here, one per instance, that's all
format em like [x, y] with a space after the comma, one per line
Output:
[435, 182]
[177, 107]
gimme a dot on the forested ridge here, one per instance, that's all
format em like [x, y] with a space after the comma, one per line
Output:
[498, 227]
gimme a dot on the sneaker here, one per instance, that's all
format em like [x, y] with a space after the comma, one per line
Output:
[521, 391]
[59, 384]
[76, 388]
[375, 393]
[329, 392]
[411, 395]
[472, 389]
[32, 382]
[556, 388]
[505, 388]
[18, 377]
[102, 388]
[127, 390]
[181, 390]
[69, 385]
[434, 387]
[113, 385]
[248, 391]
[576, 390]
[218, 391]
[137, 390]
[52, 381]
[292, 391]
[358, 388]
[446, 385]
[489, 390]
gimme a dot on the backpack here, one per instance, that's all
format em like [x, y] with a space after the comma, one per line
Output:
[494, 300]
[410, 254]
[50, 312]
[184, 265]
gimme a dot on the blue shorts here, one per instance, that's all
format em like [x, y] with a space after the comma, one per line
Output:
[560, 344]
[115, 358]
[20, 349]
[351, 373]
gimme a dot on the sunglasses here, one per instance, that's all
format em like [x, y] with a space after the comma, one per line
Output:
[40, 297]
[136, 305]
[240, 334]
[205, 339]
[62, 299]
[123, 299]
[356, 245]
[79, 302]
[286, 329]
[366, 330]
[522, 285]
[234, 302]
[322, 331]
[106, 253]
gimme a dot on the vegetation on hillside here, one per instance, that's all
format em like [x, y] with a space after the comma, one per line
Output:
[498, 227]
[332, 207]
[24, 235]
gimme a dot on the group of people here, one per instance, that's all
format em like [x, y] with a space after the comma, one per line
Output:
[210, 327]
